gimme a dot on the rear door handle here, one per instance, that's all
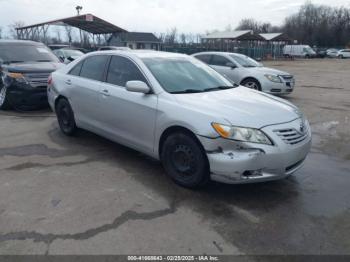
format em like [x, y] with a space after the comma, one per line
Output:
[105, 92]
[69, 82]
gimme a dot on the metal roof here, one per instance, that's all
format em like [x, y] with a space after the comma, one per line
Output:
[86, 22]
[275, 37]
[228, 34]
[138, 37]
[234, 35]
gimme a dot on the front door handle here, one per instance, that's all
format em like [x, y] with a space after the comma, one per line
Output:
[105, 92]
[69, 82]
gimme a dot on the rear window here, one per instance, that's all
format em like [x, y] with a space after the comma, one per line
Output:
[26, 53]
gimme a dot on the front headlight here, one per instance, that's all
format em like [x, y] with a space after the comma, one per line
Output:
[18, 77]
[241, 134]
[273, 78]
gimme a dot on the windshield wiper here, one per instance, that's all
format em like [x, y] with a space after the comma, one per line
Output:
[219, 88]
[187, 91]
[43, 60]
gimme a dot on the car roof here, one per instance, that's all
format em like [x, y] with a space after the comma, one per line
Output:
[142, 53]
[20, 42]
[219, 53]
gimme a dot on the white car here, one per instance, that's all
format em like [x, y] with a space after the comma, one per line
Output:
[332, 52]
[245, 71]
[175, 108]
[344, 53]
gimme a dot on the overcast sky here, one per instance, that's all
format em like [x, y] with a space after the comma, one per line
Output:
[195, 16]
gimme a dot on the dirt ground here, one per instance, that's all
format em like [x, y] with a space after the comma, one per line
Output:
[87, 195]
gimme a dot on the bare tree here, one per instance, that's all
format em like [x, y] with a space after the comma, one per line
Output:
[69, 35]
[12, 28]
[171, 36]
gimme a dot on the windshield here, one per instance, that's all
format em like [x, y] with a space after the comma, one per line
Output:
[72, 53]
[26, 53]
[245, 61]
[182, 75]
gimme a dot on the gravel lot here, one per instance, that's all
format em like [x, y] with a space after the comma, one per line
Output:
[86, 195]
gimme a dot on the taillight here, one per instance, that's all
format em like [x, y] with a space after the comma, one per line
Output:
[49, 81]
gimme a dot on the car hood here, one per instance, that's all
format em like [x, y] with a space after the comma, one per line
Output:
[267, 70]
[33, 67]
[241, 107]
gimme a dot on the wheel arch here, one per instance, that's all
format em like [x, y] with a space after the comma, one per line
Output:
[176, 129]
[252, 78]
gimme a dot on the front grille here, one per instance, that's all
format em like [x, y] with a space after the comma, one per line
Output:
[287, 77]
[37, 79]
[275, 90]
[291, 136]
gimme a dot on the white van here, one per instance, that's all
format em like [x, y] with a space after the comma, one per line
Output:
[299, 50]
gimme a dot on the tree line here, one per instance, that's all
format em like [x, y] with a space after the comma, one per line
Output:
[315, 25]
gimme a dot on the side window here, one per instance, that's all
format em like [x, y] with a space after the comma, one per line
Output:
[219, 60]
[122, 70]
[93, 67]
[204, 58]
[75, 71]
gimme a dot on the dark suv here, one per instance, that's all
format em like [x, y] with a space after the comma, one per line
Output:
[25, 67]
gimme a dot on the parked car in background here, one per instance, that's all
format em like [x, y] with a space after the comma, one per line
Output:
[179, 110]
[332, 52]
[67, 55]
[107, 48]
[344, 53]
[24, 70]
[320, 52]
[245, 71]
[304, 51]
[58, 46]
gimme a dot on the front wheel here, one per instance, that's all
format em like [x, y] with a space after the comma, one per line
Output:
[185, 161]
[4, 103]
[65, 117]
[252, 84]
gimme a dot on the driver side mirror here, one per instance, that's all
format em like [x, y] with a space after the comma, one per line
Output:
[231, 65]
[137, 87]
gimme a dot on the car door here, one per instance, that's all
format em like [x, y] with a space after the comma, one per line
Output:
[128, 117]
[85, 90]
[222, 65]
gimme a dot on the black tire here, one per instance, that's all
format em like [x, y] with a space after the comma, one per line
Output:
[65, 117]
[341, 57]
[251, 83]
[185, 161]
[4, 100]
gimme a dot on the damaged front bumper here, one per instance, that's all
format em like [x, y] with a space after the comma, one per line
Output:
[235, 162]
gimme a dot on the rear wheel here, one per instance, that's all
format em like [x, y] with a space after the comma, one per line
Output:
[65, 117]
[251, 83]
[4, 103]
[185, 161]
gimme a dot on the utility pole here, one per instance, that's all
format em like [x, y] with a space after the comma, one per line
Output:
[79, 8]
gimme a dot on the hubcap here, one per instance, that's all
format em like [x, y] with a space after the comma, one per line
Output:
[183, 159]
[252, 85]
[2, 95]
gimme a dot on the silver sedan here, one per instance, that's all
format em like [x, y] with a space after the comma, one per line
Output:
[176, 109]
[246, 71]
